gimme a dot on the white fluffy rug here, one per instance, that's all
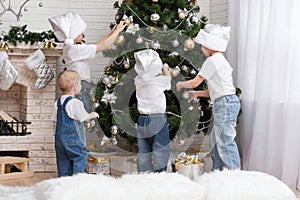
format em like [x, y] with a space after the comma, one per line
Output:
[244, 185]
[16, 193]
[225, 185]
[140, 187]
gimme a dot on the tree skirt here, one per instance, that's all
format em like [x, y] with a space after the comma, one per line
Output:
[224, 185]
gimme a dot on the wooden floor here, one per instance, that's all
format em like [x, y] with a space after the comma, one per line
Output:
[39, 176]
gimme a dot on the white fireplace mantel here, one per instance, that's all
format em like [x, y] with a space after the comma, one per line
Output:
[25, 102]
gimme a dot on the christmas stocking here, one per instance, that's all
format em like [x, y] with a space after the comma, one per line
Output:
[8, 74]
[37, 62]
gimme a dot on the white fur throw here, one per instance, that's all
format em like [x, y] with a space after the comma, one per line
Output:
[152, 186]
[224, 185]
[244, 185]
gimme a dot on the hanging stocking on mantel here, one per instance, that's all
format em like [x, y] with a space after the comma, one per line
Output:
[37, 62]
[8, 74]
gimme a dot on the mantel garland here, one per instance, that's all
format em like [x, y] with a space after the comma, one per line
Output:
[21, 34]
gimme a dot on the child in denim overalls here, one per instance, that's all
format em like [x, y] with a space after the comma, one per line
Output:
[69, 28]
[153, 128]
[69, 113]
[217, 71]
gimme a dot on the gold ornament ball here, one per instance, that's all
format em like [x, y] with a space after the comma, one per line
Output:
[88, 125]
[107, 70]
[94, 99]
[181, 15]
[126, 66]
[117, 79]
[151, 29]
[175, 73]
[189, 44]
[127, 22]
[120, 40]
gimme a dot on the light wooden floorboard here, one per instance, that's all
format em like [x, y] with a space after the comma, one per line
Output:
[37, 177]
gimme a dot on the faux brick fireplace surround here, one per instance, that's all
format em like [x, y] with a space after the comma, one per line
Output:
[26, 103]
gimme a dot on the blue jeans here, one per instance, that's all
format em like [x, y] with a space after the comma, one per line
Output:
[153, 143]
[224, 152]
[85, 95]
[70, 147]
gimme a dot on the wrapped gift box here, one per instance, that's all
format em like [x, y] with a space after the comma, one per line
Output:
[123, 163]
[98, 163]
[193, 171]
[191, 164]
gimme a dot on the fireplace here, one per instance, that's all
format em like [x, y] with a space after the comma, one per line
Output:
[13, 128]
[33, 108]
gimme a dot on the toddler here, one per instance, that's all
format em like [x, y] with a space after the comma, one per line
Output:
[69, 113]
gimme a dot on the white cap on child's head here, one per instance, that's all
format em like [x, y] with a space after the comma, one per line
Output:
[67, 26]
[214, 37]
[148, 64]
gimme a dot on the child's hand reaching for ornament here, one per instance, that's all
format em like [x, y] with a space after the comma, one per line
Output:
[179, 86]
[165, 67]
[92, 115]
[165, 70]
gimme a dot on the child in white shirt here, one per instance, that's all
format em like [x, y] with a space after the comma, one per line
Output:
[153, 128]
[69, 28]
[217, 71]
[69, 113]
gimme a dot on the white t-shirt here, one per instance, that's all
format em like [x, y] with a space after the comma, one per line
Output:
[76, 58]
[74, 109]
[218, 73]
[150, 95]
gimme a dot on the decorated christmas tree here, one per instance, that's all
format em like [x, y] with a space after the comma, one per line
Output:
[168, 27]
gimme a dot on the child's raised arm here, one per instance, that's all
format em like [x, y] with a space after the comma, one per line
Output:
[107, 41]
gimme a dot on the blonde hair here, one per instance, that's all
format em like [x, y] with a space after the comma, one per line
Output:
[67, 79]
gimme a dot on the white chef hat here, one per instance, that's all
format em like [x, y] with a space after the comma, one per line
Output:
[67, 26]
[148, 64]
[214, 37]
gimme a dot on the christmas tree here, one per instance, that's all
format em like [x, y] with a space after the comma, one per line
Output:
[168, 27]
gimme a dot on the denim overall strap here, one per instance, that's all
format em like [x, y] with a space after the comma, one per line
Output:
[61, 111]
[67, 100]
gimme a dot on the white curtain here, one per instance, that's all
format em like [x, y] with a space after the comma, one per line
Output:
[265, 53]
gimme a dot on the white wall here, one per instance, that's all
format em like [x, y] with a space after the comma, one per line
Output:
[219, 12]
[98, 14]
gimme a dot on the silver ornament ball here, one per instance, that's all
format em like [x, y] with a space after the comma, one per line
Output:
[165, 27]
[155, 17]
[156, 45]
[175, 43]
[114, 130]
[139, 40]
[185, 95]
